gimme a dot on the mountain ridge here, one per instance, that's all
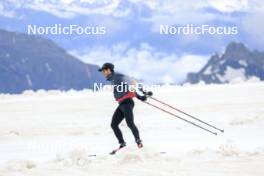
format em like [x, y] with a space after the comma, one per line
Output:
[33, 62]
[236, 62]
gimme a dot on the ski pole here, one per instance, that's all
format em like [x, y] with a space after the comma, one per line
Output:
[186, 114]
[190, 122]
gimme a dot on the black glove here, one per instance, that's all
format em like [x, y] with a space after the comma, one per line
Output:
[141, 97]
[146, 93]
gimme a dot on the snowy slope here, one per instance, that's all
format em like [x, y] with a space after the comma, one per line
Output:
[53, 133]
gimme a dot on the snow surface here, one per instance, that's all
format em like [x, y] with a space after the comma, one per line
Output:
[243, 63]
[232, 75]
[57, 133]
[208, 70]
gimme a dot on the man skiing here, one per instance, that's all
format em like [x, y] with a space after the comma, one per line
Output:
[124, 96]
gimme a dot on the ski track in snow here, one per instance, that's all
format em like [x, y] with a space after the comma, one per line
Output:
[57, 133]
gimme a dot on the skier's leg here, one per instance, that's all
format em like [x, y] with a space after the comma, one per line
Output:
[116, 120]
[127, 108]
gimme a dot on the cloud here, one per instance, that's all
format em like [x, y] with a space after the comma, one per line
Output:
[178, 12]
[145, 62]
[6, 12]
[69, 8]
[254, 27]
[229, 5]
[171, 12]
[161, 9]
[138, 21]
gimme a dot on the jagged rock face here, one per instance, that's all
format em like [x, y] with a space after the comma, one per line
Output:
[32, 62]
[237, 62]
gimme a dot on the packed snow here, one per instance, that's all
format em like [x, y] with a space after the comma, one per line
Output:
[59, 133]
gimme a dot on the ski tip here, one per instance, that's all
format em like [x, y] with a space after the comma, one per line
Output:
[222, 131]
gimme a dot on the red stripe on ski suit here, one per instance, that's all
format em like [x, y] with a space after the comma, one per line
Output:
[128, 95]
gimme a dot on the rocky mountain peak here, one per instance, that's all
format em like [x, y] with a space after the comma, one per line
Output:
[236, 51]
[237, 62]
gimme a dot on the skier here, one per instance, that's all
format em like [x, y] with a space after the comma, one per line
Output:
[124, 96]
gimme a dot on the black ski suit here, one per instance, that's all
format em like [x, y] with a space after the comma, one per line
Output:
[125, 107]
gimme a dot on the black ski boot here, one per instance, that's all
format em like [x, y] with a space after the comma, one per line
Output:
[139, 143]
[122, 145]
